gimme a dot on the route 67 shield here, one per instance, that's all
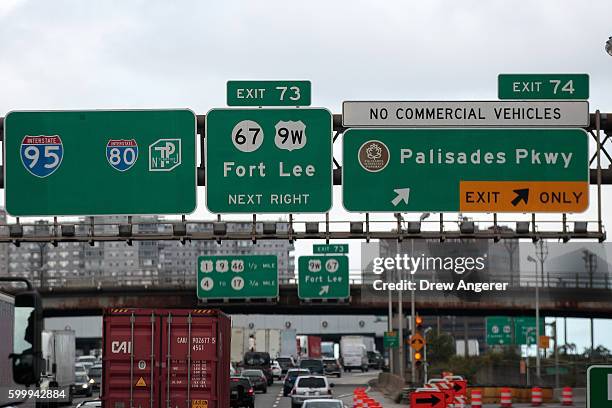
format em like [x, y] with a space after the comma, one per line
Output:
[122, 154]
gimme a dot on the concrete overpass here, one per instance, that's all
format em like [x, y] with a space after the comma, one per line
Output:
[554, 301]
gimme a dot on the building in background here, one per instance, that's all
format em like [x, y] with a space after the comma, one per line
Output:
[143, 263]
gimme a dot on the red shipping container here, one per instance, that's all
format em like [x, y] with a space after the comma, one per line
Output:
[166, 358]
[314, 347]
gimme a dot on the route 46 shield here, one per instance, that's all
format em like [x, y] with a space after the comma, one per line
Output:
[41, 155]
[122, 154]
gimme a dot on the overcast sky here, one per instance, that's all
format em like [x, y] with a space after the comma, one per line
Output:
[161, 54]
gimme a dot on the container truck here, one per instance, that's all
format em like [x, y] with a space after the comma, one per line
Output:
[353, 351]
[20, 348]
[58, 352]
[158, 358]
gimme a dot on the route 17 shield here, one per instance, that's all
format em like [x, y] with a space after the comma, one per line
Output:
[41, 155]
[122, 154]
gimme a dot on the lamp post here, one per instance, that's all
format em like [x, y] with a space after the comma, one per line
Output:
[541, 254]
[427, 330]
[609, 46]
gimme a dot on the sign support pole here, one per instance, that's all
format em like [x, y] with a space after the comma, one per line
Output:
[400, 313]
[598, 128]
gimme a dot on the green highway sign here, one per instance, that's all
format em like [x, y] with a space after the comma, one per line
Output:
[525, 330]
[237, 277]
[499, 331]
[599, 386]
[330, 248]
[323, 277]
[391, 339]
[543, 86]
[269, 160]
[268, 93]
[100, 162]
[465, 170]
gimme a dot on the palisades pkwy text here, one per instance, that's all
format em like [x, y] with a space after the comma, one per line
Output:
[402, 265]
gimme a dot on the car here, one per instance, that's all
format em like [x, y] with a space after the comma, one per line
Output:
[87, 359]
[290, 377]
[277, 371]
[323, 403]
[375, 360]
[82, 386]
[331, 366]
[257, 378]
[95, 376]
[310, 387]
[97, 403]
[80, 368]
[314, 365]
[285, 363]
[257, 360]
[242, 393]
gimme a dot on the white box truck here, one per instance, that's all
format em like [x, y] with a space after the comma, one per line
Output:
[354, 354]
[240, 344]
[288, 343]
[58, 352]
[269, 341]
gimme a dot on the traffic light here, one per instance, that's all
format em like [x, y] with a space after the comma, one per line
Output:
[418, 358]
[419, 322]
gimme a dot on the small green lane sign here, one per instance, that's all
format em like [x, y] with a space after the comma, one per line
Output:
[237, 276]
[323, 277]
[599, 386]
[525, 330]
[268, 93]
[390, 340]
[330, 248]
[543, 86]
[499, 331]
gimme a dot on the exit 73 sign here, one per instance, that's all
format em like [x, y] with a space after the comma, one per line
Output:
[323, 277]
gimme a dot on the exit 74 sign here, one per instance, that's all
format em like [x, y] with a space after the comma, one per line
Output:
[467, 170]
[323, 277]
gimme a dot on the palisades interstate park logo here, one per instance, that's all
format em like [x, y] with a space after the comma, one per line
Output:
[373, 156]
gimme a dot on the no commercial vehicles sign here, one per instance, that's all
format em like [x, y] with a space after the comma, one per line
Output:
[468, 170]
[100, 162]
[268, 160]
[465, 113]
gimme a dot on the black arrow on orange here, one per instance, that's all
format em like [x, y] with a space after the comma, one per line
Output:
[432, 400]
[521, 195]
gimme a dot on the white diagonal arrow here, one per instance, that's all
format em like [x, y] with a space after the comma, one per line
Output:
[324, 290]
[403, 194]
